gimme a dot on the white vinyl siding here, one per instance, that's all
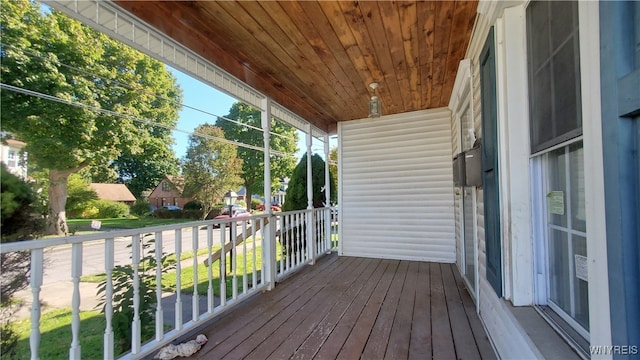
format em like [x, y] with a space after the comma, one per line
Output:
[397, 187]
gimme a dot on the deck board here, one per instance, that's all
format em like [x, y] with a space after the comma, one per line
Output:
[347, 308]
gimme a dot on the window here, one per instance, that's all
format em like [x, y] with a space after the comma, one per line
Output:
[554, 75]
[12, 159]
[165, 186]
[556, 129]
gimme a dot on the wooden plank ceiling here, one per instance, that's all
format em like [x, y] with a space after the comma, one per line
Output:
[317, 58]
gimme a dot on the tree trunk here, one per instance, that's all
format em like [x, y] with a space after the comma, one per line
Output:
[57, 220]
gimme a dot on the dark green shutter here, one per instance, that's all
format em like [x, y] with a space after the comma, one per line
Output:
[490, 164]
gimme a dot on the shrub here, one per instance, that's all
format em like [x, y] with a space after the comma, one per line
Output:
[296, 198]
[110, 209]
[17, 207]
[255, 203]
[141, 207]
[193, 205]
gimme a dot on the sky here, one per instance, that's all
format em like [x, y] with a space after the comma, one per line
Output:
[215, 103]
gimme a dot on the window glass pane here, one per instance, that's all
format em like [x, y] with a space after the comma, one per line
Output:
[541, 120]
[581, 287]
[559, 286]
[557, 177]
[578, 208]
[554, 65]
[562, 24]
[538, 23]
[566, 91]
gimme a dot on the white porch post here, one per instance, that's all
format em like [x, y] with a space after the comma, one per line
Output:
[327, 193]
[268, 233]
[310, 241]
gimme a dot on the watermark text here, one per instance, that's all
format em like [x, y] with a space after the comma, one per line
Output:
[614, 349]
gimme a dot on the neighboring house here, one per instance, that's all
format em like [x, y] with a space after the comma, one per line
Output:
[168, 192]
[12, 156]
[113, 192]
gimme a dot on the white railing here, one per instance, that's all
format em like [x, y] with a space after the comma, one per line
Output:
[234, 252]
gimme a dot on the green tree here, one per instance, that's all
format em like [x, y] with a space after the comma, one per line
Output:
[253, 160]
[48, 53]
[296, 198]
[211, 167]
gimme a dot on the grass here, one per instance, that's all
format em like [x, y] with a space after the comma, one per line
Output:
[131, 222]
[55, 329]
[96, 278]
[186, 278]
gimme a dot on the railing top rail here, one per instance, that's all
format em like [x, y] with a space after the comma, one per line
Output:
[284, 213]
[73, 239]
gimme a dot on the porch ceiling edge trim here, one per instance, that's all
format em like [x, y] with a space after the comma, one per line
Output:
[110, 19]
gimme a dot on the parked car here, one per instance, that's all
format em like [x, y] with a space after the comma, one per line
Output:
[273, 207]
[172, 207]
[237, 213]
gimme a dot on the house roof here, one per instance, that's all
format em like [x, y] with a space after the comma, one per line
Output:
[317, 58]
[177, 182]
[15, 143]
[113, 192]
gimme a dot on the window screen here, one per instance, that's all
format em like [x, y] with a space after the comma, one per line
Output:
[554, 73]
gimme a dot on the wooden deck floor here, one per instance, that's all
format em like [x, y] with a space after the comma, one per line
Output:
[350, 308]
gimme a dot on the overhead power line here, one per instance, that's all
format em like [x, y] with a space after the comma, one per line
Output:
[118, 83]
[131, 117]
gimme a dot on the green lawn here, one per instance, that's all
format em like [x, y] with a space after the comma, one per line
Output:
[132, 222]
[55, 329]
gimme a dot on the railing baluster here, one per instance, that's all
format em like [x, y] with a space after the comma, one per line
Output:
[108, 305]
[76, 273]
[301, 248]
[195, 302]
[327, 229]
[255, 250]
[37, 258]
[244, 257]
[210, 303]
[135, 324]
[159, 311]
[223, 265]
[234, 256]
[178, 311]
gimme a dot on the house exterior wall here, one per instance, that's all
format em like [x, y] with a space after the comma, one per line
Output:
[396, 193]
[11, 155]
[166, 194]
[520, 258]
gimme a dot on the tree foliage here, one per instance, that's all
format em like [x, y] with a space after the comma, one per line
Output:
[253, 160]
[210, 168]
[80, 195]
[49, 53]
[296, 197]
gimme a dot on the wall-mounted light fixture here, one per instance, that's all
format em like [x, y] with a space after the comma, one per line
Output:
[375, 107]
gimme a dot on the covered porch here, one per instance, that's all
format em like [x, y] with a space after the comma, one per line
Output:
[351, 307]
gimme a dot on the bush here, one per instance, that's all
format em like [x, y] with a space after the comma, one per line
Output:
[110, 209]
[193, 205]
[296, 198]
[17, 207]
[141, 207]
[255, 203]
